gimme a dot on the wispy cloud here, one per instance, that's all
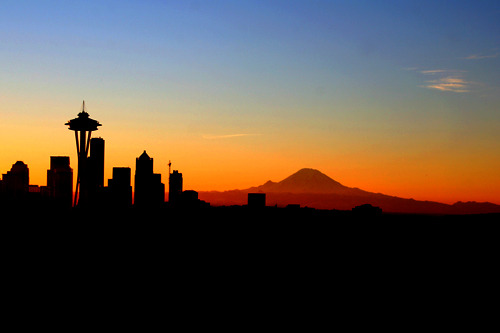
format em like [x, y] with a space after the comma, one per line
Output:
[442, 71]
[450, 83]
[482, 56]
[434, 71]
[451, 80]
[228, 136]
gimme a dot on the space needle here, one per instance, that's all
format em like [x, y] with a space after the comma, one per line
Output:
[85, 125]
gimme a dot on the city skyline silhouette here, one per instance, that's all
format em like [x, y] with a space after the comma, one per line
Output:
[393, 98]
[308, 188]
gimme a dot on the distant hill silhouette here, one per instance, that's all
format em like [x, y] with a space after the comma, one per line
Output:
[311, 188]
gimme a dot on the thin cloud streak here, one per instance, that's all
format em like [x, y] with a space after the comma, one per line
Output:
[228, 136]
[482, 56]
[434, 71]
[441, 71]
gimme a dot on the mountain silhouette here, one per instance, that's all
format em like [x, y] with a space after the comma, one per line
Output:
[311, 188]
[303, 181]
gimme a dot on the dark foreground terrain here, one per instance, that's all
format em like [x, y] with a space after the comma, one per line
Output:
[240, 224]
[233, 215]
[159, 261]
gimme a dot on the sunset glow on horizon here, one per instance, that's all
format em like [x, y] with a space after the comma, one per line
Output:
[401, 98]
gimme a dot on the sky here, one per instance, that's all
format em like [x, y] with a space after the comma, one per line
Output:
[396, 97]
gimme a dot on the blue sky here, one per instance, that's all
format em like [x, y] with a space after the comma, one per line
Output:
[250, 41]
[331, 77]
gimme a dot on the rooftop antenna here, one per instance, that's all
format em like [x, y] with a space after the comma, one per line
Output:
[169, 164]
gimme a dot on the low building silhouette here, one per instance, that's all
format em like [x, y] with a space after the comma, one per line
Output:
[256, 200]
[367, 209]
[189, 200]
[119, 188]
[15, 183]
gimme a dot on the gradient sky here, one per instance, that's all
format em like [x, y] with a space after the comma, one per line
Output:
[398, 97]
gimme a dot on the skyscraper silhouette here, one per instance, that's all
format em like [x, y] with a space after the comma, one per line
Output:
[174, 187]
[60, 181]
[149, 190]
[96, 163]
[95, 169]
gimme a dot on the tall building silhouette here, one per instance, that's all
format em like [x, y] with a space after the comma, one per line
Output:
[149, 190]
[60, 181]
[174, 187]
[96, 163]
[83, 126]
[119, 188]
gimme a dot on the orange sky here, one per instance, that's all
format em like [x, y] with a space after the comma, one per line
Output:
[401, 98]
[447, 170]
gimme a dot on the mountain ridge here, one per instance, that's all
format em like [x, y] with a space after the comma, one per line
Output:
[312, 188]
